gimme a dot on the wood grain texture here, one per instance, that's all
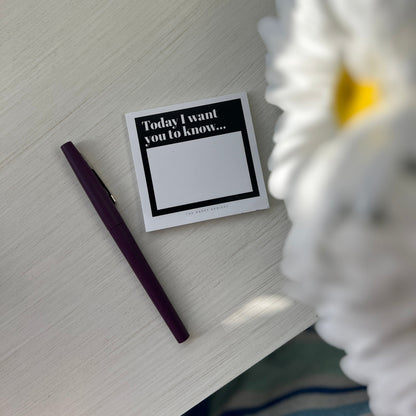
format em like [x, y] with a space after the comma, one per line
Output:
[78, 336]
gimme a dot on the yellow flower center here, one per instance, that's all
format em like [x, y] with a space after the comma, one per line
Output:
[353, 97]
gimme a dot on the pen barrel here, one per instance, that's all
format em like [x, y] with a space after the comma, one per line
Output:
[112, 219]
[144, 273]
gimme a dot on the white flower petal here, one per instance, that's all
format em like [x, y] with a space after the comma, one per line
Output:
[351, 192]
[362, 261]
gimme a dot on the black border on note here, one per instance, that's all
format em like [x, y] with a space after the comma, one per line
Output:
[235, 110]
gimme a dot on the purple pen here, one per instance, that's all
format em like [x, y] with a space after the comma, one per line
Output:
[104, 203]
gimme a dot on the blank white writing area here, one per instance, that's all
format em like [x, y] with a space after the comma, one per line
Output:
[199, 170]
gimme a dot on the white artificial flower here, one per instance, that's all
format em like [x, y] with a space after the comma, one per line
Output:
[344, 72]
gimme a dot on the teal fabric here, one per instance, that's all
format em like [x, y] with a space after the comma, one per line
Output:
[302, 378]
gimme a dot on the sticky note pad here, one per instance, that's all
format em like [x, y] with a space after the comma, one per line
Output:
[196, 161]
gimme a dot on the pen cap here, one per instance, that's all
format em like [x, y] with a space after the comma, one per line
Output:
[95, 191]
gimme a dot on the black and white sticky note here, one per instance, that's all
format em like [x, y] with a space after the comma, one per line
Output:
[196, 161]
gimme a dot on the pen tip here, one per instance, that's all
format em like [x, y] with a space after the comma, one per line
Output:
[182, 337]
[63, 146]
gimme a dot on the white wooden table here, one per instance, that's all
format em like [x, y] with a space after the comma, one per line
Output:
[78, 335]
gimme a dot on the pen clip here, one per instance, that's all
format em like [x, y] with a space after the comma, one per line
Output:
[103, 184]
